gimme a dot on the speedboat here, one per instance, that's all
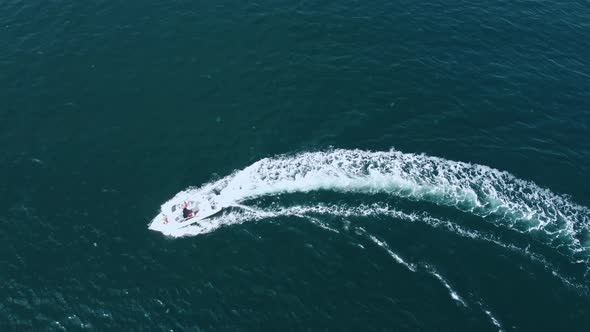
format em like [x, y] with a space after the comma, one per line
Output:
[171, 219]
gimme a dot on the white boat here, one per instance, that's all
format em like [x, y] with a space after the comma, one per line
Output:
[171, 219]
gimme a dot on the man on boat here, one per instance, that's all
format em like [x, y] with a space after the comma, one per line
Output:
[186, 213]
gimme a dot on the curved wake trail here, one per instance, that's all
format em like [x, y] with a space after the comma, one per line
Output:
[454, 295]
[425, 267]
[494, 195]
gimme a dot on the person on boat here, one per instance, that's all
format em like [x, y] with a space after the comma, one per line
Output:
[186, 212]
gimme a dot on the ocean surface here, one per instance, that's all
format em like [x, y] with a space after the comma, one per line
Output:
[380, 165]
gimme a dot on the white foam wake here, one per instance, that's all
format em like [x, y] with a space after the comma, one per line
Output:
[395, 256]
[492, 318]
[454, 295]
[495, 195]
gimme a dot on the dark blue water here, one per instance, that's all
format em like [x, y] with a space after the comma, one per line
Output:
[389, 165]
